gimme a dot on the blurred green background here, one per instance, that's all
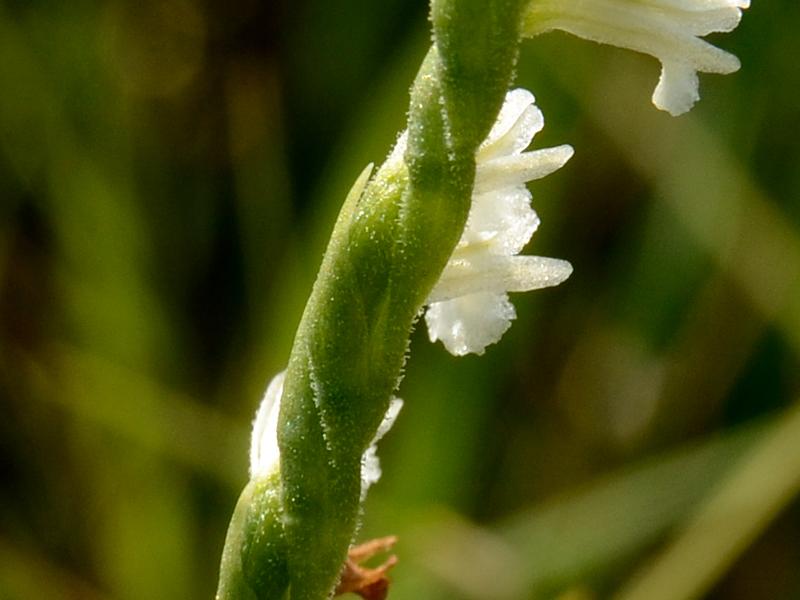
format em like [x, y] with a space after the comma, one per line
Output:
[169, 173]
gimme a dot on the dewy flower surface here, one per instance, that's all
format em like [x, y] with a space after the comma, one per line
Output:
[669, 30]
[469, 308]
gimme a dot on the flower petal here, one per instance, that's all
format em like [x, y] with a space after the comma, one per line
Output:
[497, 274]
[470, 323]
[500, 222]
[370, 463]
[520, 168]
[519, 120]
[264, 452]
[677, 88]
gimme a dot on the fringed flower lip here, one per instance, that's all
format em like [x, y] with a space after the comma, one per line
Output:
[468, 309]
[669, 30]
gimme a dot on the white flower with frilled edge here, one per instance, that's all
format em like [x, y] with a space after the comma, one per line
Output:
[468, 308]
[669, 30]
[265, 454]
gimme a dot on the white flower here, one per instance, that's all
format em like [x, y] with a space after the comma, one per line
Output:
[370, 463]
[669, 30]
[265, 454]
[468, 308]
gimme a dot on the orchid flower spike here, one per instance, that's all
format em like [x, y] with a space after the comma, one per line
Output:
[468, 308]
[669, 30]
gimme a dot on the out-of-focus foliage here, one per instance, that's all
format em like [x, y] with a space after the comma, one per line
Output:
[169, 174]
